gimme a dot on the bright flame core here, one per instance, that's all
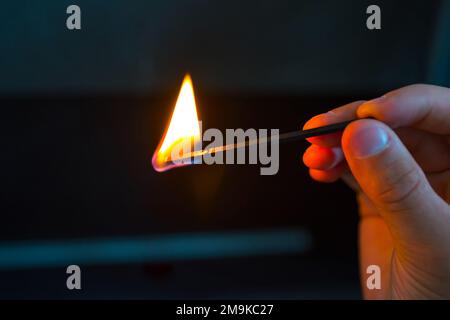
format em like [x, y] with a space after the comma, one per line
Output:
[183, 127]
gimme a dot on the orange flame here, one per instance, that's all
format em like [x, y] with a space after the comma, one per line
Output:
[183, 130]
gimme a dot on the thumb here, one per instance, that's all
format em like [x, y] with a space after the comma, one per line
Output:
[393, 181]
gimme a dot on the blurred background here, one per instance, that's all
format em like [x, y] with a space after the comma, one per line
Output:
[83, 111]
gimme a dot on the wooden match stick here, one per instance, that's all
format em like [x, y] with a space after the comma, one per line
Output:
[284, 137]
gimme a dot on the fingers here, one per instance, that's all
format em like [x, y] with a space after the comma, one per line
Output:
[317, 157]
[324, 157]
[329, 175]
[344, 113]
[391, 179]
[425, 107]
[326, 164]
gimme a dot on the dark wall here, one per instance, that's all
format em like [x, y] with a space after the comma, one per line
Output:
[279, 46]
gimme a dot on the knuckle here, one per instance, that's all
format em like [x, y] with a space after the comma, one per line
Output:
[401, 189]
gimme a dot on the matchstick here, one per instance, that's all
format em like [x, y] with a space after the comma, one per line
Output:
[284, 137]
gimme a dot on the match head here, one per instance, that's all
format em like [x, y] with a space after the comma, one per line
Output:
[179, 154]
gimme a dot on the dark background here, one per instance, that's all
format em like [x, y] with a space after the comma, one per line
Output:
[82, 112]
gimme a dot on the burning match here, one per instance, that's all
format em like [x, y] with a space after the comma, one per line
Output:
[183, 135]
[284, 137]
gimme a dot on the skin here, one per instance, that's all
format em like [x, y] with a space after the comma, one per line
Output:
[402, 186]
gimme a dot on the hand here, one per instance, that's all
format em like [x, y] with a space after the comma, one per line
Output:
[399, 165]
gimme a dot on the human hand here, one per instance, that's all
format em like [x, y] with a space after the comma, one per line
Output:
[399, 167]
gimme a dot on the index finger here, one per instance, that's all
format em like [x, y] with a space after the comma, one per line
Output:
[424, 107]
[343, 113]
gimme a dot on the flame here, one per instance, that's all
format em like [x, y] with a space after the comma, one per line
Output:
[183, 129]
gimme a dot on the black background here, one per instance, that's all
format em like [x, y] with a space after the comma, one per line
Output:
[82, 112]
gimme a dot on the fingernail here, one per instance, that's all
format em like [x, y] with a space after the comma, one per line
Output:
[368, 141]
[320, 118]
